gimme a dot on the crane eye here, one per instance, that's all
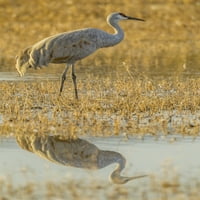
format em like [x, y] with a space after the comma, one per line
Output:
[123, 15]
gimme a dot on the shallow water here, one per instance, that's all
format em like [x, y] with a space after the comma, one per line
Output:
[54, 73]
[13, 76]
[143, 156]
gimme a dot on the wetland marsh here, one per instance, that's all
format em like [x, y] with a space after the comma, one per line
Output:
[143, 93]
[171, 164]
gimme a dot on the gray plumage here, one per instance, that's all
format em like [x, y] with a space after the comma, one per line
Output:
[75, 152]
[69, 47]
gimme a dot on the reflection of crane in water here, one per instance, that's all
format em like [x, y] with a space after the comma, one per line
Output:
[70, 47]
[76, 153]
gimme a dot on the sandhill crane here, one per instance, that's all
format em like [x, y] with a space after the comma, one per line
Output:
[69, 47]
[75, 152]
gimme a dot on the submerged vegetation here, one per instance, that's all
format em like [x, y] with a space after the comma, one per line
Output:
[165, 185]
[98, 190]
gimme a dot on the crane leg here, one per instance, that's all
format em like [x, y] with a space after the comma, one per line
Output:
[63, 78]
[74, 81]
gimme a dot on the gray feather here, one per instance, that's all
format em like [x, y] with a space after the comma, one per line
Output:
[69, 47]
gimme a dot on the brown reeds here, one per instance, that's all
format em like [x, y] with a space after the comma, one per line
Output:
[106, 107]
[118, 89]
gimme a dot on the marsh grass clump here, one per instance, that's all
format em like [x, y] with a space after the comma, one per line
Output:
[119, 95]
[106, 107]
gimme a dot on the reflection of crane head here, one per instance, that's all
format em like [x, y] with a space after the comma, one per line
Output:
[106, 158]
[115, 175]
[116, 178]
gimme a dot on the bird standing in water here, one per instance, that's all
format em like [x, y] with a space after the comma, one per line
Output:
[69, 47]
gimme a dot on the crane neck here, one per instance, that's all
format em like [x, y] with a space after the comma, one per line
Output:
[106, 158]
[118, 30]
[117, 37]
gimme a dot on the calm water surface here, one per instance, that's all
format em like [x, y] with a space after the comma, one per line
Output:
[22, 162]
[13, 76]
[54, 73]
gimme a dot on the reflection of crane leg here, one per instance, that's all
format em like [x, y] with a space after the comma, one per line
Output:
[63, 78]
[74, 81]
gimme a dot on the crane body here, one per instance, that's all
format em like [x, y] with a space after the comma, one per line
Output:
[69, 47]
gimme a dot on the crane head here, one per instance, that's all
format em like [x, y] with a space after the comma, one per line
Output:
[22, 62]
[120, 16]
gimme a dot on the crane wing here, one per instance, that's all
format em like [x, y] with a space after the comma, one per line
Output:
[67, 47]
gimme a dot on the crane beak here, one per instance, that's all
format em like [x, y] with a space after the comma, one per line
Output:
[134, 18]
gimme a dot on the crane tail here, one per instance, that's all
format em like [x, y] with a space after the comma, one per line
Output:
[22, 70]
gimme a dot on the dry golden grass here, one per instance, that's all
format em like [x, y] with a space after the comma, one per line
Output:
[106, 107]
[123, 102]
[167, 41]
